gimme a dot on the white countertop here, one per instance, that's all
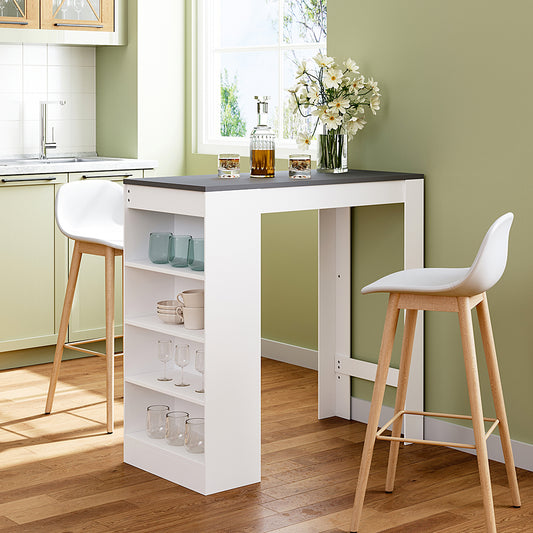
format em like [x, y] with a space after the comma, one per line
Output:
[85, 164]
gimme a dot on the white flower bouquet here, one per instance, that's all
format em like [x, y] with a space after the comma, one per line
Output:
[338, 96]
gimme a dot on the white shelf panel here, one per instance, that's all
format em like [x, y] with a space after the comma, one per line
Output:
[153, 323]
[149, 381]
[169, 462]
[165, 269]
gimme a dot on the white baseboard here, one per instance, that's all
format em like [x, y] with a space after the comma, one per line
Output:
[446, 431]
[287, 353]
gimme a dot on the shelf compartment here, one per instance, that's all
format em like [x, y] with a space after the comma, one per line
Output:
[165, 269]
[153, 323]
[173, 463]
[149, 381]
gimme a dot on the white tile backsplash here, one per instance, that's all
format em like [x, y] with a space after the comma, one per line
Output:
[32, 73]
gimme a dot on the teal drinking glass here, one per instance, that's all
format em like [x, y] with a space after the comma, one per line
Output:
[178, 250]
[196, 254]
[158, 248]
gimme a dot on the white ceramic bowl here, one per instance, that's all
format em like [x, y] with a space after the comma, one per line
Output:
[170, 318]
[168, 304]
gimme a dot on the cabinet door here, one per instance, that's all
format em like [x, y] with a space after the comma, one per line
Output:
[86, 15]
[28, 280]
[19, 14]
[87, 320]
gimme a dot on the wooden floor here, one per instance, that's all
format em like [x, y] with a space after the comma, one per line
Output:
[62, 473]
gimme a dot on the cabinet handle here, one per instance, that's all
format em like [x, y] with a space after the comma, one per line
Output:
[13, 180]
[84, 177]
[78, 25]
[20, 23]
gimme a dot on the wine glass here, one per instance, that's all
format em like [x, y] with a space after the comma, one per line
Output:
[3, 4]
[164, 353]
[182, 358]
[78, 6]
[199, 364]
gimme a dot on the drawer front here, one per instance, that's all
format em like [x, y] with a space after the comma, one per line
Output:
[105, 175]
[32, 179]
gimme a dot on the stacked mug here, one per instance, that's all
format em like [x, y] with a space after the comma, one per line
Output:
[192, 311]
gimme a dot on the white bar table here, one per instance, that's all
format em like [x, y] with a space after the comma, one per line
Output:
[227, 213]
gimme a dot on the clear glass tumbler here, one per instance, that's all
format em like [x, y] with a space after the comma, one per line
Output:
[196, 254]
[300, 166]
[178, 250]
[158, 248]
[194, 435]
[175, 427]
[156, 421]
[229, 166]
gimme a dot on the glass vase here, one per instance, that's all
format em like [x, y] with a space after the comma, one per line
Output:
[332, 154]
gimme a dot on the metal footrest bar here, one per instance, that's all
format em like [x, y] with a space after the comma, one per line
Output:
[399, 414]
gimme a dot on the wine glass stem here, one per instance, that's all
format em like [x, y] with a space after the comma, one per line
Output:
[165, 370]
[182, 382]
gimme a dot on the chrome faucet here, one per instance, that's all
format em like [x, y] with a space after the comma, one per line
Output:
[45, 144]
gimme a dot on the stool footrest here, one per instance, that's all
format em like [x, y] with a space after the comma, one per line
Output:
[76, 345]
[399, 414]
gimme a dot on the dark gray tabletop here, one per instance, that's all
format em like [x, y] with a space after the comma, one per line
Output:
[214, 183]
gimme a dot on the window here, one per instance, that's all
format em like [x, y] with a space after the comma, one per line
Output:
[248, 48]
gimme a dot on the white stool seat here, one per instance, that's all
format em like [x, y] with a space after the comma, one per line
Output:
[92, 211]
[486, 270]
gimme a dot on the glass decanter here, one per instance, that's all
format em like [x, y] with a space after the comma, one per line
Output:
[262, 149]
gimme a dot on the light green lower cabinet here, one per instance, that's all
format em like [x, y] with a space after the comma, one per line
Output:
[31, 247]
[34, 266]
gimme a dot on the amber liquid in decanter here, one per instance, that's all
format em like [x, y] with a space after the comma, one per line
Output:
[262, 163]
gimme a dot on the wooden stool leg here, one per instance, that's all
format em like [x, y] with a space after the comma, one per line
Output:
[389, 331]
[63, 325]
[472, 378]
[401, 393]
[110, 334]
[497, 394]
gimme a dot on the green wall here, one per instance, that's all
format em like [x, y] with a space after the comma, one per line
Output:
[456, 80]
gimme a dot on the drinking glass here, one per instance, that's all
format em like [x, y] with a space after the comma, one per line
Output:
[155, 421]
[164, 353]
[178, 250]
[175, 427]
[3, 4]
[300, 166]
[194, 435]
[158, 247]
[196, 254]
[182, 358]
[229, 165]
[199, 364]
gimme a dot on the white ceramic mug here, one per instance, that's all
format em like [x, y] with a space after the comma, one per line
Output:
[192, 298]
[193, 317]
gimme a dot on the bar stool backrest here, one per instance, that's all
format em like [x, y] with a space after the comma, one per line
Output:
[491, 259]
[90, 210]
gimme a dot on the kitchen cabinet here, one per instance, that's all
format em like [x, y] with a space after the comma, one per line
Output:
[16, 14]
[91, 15]
[75, 22]
[32, 246]
[35, 256]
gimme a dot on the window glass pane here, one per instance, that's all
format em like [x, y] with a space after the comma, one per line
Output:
[249, 22]
[304, 21]
[9, 8]
[293, 122]
[242, 77]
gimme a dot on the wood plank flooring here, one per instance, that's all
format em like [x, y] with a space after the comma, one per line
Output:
[62, 473]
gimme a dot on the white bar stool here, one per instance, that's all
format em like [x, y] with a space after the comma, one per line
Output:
[92, 214]
[442, 289]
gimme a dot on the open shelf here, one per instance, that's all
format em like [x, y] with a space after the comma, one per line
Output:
[165, 269]
[152, 323]
[188, 394]
[180, 451]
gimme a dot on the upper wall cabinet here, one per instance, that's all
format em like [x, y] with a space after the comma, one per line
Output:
[77, 22]
[19, 14]
[93, 15]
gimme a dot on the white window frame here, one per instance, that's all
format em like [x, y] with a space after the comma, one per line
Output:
[206, 100]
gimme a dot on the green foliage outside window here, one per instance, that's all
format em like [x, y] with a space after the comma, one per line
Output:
[231, 122]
